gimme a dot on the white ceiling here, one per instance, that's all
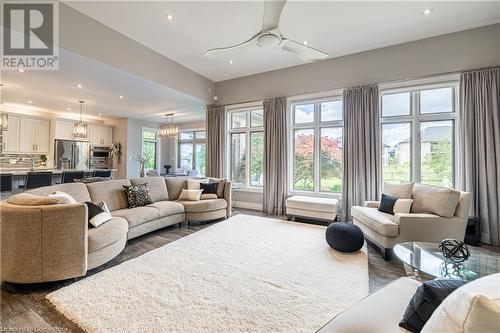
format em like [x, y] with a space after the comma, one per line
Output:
[339, 28]
[55, 91]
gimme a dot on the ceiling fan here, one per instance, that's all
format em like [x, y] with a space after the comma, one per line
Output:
[270, 36]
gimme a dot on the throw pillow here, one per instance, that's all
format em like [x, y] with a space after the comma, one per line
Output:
[220, 186]
[98, 214]
[387, 204]
[402, 206]
[138, 195]
[208, 196]
[400, 191]
[466, 311]
[209, 188]
[190, 195]
[63, 197]
[28, 199]
[425, 300]
[194, 184]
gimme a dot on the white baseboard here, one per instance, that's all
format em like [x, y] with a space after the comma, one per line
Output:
[248, 205]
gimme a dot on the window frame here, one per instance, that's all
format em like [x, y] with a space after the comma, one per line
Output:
[416, 118]
[194, 142]
[156, 142]
[248, 130]
[317, 125]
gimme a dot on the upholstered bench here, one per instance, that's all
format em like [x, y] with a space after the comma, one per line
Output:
[312, 208]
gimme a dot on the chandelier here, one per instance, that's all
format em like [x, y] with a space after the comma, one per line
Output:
[169, 130]
[4, 121]
[80, 128]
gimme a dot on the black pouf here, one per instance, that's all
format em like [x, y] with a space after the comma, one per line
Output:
[344, 237]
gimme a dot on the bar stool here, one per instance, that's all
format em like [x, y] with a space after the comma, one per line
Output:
[70, 176]
[6, 182]
[102, 173]
[37, 179]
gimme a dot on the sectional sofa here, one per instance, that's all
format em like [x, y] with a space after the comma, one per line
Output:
[53, 242]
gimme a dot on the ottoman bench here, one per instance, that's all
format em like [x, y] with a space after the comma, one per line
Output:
[324, 209]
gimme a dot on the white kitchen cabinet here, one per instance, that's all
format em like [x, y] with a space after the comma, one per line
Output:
[11, 135]
[34, 135]
[100, 135]
[64, 130]
[42, 136]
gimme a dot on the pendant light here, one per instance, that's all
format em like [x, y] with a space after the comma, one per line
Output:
[169, 130]
[4, 121]
[80, 128]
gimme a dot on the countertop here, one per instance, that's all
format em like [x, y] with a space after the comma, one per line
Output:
[24, 171]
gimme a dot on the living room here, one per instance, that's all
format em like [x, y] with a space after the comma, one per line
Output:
[255, 166]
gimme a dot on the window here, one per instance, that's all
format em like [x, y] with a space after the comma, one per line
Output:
[418, 134]
[192, 151]
[317, 145]
[246, 147]
[149, 148]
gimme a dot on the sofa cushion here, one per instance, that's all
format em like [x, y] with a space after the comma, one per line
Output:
[29, 199]
[167, 208]
[138, 215]
[195, 184]
[400, 191]
[379, 222]
[204, 205]
[107, 233]
[221, 183]
[317, 204]
[111, 192]
[175, 186]
[157, 187]
[76, 190]
[434, 200]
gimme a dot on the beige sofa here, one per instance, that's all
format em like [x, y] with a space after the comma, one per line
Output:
[437, 213]
[54, 242]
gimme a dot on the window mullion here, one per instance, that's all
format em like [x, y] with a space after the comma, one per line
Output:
[316, 150]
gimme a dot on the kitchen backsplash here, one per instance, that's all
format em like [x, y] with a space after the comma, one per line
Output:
[14, 161]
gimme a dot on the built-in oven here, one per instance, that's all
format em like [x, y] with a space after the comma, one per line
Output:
[100, 152]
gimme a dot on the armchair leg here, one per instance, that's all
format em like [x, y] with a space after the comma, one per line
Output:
[386, 253]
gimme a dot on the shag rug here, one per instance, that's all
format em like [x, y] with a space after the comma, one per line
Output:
[245, 274]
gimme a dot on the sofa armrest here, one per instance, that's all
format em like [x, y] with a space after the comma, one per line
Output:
[371, 204]
[228, 196]
[429, 227]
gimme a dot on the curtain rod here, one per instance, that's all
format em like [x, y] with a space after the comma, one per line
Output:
[378, 83]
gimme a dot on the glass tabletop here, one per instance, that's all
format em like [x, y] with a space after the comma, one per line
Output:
[427, 258]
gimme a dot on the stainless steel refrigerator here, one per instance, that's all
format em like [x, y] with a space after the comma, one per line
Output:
[70, 154]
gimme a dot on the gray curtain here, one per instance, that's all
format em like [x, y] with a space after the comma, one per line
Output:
[480, 147]
[361, 147]
[215, 160]
[275, 156]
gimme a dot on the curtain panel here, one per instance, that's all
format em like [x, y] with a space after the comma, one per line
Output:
[480, 147]
[215, 161]
[361, 153]
[275, 156]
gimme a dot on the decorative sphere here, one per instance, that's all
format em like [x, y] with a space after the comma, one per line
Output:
[454, 250]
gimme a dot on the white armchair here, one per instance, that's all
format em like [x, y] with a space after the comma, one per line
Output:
[426, 222]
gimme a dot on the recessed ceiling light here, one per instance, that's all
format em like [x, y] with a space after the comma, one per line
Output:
[121, 97]
[169, 17]
[68, 109]
[100, 114]
[428, 11]
[230, 62]
[20, 70]
[29, 102]
[305, 42]
[79, 85]
[215, 98]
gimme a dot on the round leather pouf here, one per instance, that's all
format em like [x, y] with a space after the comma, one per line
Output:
[344, 237]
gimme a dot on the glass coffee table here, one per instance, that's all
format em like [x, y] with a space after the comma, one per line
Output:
[427, 258]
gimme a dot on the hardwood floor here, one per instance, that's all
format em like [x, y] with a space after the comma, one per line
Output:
[24, 307]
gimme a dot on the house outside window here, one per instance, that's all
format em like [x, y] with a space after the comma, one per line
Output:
[192, 150]
[418, 129]
[150, 148]
[246, 146]
[316, 145]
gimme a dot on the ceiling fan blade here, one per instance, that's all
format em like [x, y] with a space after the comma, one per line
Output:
[214, 53]
[304, 52]
[272, 13]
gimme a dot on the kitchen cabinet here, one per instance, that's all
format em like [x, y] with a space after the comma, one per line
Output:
[34, 135]
[100, 135]
[64, 131]
[11, 136]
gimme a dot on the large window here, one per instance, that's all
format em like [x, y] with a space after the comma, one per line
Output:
[149, 148]
[418, 134]
[317, 145]
[246, 147]
[192, 151]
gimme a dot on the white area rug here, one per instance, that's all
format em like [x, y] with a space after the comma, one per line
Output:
[246, 274]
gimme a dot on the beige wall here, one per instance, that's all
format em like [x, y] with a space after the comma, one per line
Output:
[453, 52]
[120, 136]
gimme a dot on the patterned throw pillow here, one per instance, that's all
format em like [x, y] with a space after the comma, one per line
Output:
[138, 195]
